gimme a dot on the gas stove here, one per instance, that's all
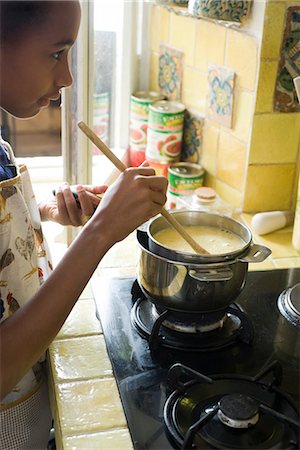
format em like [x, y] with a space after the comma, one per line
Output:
[226, 382]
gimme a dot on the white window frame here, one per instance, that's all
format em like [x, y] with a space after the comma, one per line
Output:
[131, 74]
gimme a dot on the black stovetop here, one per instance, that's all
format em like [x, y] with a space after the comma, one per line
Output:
[142, 376]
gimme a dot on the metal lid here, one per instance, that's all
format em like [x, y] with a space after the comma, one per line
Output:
[289, 304]
[187, 169]
[167, 107]
[147, 95]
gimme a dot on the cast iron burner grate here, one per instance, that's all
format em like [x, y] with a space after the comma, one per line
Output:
[236, 327]
[230, 411]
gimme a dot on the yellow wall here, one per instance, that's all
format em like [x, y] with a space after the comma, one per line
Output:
[254, 164]
[274, 149]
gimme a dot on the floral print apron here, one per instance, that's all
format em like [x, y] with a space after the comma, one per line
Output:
[25, 417]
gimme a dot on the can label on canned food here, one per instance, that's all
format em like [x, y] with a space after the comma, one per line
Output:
[184, 178]
[161, 168]
[165, 129]
[139, 112]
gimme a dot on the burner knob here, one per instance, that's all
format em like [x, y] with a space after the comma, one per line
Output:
[238, 411]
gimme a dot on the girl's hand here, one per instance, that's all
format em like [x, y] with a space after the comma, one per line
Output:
[64, 209]
[136, 196]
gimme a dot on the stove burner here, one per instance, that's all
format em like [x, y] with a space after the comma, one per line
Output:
[182, 331]
[230, 411]
[238, 411]
[193, 323]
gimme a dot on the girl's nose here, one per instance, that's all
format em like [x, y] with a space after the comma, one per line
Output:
[64, 77]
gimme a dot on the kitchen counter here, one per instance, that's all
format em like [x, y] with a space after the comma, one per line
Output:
[85, 401]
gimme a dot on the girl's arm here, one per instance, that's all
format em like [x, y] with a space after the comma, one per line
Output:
[136, 196]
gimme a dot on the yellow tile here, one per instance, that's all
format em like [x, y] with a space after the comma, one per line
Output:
[275, 138]
[242, 57]
[243, 111]
[82, 321]
[153, 72]
[231, 161]
[210, 147]
[86, 293]
[209, 180]
[229, 194]
[208, 32]
[79, 358]
[266, 86]
[115, 272]
[182, 36]
[194, 89]
[268, 264]
[122, 254]
[269, 187]
[279, 243]
[106, 440]
[273, 29]
[159, 30]
[286, 263]
[89, 406]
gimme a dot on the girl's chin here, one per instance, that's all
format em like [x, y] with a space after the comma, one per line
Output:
[25, 113]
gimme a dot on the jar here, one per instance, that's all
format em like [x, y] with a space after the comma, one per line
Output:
[206, 199]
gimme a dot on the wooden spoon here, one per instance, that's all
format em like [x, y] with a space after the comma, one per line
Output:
[118, 163]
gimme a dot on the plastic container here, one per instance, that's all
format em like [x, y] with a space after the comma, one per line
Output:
[206, 199]
[267, 222]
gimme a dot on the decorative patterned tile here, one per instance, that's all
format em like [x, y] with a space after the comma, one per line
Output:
[192, 136]
[220, 94]
[221, 10]
[170, 72]
[285, 98]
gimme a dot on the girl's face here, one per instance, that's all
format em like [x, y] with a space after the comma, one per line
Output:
[35, 65]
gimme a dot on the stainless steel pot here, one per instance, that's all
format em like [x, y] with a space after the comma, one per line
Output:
[187, 282]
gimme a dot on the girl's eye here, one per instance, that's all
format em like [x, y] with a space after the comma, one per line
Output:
[57, 55]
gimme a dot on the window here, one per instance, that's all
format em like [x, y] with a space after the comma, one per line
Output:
[105, 64]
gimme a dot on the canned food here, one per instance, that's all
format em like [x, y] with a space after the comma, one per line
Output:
[165, 128]
[184, 178]
[139, 112]
[161, 168]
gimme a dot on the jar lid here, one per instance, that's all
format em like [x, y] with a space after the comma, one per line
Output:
[205, 193]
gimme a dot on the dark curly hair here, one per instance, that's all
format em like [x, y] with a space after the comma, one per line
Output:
[16, 16]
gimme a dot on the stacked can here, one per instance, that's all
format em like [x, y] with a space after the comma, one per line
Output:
[184, 178]
[139, 112]
[164, 139]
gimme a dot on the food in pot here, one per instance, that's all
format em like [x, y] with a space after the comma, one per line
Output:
[216, 241]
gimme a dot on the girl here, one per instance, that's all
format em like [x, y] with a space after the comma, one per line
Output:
[35, 40]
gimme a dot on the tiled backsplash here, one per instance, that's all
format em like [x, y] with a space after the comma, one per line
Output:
[253, 162]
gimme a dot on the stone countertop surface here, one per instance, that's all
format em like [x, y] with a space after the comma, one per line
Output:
[85, 401]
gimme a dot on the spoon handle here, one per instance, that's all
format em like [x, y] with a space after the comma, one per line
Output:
[118, 163]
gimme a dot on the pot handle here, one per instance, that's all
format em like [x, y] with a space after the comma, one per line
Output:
[211, 274]
[256, 253]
